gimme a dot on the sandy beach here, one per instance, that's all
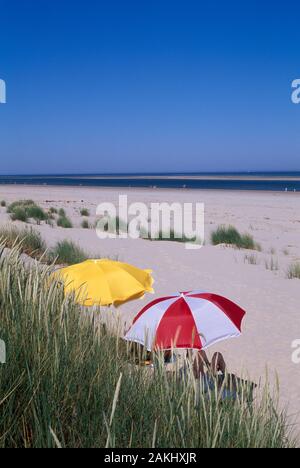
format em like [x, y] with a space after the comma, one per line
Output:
[270, 299]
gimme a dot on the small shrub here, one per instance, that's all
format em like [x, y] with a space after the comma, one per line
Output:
[20, 203]
[19, 214]
[231, 236]
[36, 213]
[85, 224]
[67, 253]
[64, 222]
[85, 212]
[53, 210]
[3, 203]
[294, 271]
[62, 213]
[24, 209]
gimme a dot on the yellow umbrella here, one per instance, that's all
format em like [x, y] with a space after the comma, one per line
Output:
[105, 282]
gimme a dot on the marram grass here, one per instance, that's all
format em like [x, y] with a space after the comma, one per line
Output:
[69, 383]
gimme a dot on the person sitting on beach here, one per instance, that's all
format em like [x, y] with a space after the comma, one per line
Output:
[212, 375]
[201, 361]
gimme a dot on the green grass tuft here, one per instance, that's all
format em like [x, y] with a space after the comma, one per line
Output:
[36, 213]
[294, 271]
[23, 209]
[19, 214]
[84, 212]
[64, 222]
[67, 253]
[29, 240]
[62, 213]
[231, 236]
[85, 224]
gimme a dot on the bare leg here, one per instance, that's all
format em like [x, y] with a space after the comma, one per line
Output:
[218, 364]
[198, 364]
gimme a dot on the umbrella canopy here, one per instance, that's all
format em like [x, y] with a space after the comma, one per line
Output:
[105, 282]
[188, 320]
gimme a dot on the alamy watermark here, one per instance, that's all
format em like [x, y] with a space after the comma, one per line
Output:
[296, 91]
[2, 92]
[2, 352]
[181, 222]
[296, 352]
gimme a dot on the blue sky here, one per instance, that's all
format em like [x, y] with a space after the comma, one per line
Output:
[148, 86]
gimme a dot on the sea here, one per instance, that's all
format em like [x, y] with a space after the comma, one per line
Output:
[260, 181]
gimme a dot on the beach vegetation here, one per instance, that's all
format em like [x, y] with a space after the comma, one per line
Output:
[85, 224]
[229, 235]
[53, 210]
[70, 382]
[19, 213]
[37, 213]
[85, 212]
[251, 259]
[62, 213]
[22, 210]
[113, 225]
[64, 222]
[294, 271]
[18, 203]
[272, 264]
[3, 203]
[170, 236]
[67, 253]
[29, 241]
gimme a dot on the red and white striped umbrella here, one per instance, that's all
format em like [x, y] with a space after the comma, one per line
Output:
[190, 320]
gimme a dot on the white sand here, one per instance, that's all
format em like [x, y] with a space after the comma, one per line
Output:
[271, 300]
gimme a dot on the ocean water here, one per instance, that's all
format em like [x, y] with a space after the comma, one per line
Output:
[266, 181]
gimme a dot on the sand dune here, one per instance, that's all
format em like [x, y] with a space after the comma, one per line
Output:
[271, 300]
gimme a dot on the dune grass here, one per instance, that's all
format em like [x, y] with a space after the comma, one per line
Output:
[23, 203]
[64, 222]
[62, 213]
[112, 225]
[272, 264]
[66, 253]
[231, 236]
[19, 214]
[22, 210]
[29, 240]
[251, 259]
[85, 212]
[68, 382]
[85, 224]
[294, 271]
[169, 236]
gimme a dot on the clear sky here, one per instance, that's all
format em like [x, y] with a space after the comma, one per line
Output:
[149, 86]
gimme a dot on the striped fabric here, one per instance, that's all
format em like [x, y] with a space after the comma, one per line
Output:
[189, 320]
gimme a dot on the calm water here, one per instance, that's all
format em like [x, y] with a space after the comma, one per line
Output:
[283, 181]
